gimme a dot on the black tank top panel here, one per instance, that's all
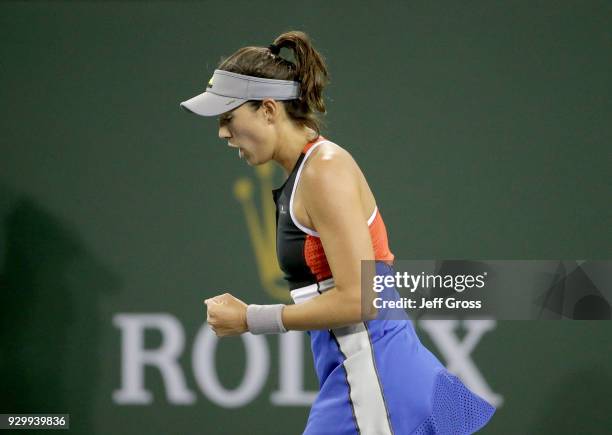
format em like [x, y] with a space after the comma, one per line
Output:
[289, 238]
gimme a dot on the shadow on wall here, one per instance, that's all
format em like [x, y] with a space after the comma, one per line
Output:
[51, 287]
[563, 414]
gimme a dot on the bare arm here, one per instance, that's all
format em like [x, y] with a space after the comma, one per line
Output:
[330, 191]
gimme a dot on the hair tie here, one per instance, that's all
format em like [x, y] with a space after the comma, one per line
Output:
[274, 49]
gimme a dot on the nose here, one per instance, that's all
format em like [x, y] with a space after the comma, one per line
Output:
[224, 133]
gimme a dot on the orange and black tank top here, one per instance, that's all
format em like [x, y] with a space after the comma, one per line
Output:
[300, 253]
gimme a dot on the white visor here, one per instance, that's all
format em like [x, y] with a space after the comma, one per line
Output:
[227, 90]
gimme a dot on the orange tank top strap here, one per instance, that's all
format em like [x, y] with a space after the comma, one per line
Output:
[312, 142]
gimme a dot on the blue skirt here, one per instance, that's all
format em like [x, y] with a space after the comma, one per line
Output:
[376, 377]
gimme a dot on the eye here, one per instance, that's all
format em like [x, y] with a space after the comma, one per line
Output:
[224, 120]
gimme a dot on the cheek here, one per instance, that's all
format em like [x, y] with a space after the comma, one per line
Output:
[250, 136]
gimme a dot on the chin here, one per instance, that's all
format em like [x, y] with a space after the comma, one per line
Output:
[256, 162]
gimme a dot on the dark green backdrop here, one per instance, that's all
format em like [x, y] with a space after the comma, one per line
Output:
[484, 129]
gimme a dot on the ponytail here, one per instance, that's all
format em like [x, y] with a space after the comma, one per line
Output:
[311, 71]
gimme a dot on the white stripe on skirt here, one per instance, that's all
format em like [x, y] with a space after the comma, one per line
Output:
[365, 390]
[364, 384]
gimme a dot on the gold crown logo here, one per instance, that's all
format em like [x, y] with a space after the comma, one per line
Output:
[262, 230]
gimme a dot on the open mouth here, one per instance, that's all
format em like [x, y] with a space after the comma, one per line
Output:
[240, 152]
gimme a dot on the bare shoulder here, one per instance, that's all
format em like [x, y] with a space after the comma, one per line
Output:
[331, 186]
[329, 164]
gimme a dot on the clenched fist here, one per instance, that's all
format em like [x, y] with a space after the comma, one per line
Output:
[226, 315]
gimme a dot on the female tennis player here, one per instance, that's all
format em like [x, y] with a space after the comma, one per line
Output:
[375, 376]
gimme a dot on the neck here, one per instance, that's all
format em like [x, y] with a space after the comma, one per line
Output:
[291, 142]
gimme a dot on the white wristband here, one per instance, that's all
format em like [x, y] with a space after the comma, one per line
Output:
[265, 319]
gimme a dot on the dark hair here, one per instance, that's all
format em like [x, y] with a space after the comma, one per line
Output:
[308, 68]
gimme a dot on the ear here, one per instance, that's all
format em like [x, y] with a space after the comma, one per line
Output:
[271, 109]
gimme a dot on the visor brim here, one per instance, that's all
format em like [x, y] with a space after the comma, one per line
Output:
[209, 104]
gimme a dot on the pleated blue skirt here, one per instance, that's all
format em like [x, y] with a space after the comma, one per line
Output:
[376, 377]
